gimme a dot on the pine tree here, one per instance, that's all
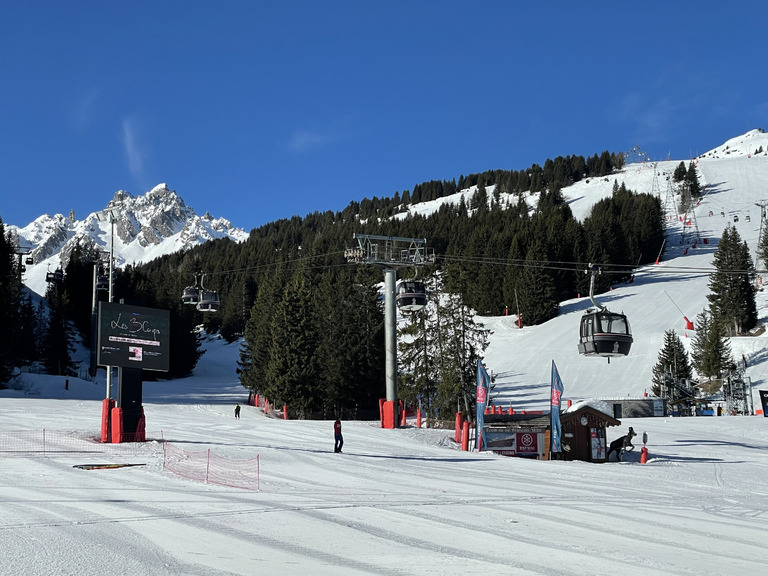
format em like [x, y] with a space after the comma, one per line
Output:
[710, 350]
[672, 361]
[536, 288]
[9, 305]
[452, 341]
[680, 173]
[254, 350]
[732, 297]
[58, 346]
[693, 182]
[292, 369]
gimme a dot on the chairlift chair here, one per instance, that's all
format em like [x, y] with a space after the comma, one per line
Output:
[56, 276]
[29, 261]
[411, 296]
[191, 294]
[209, 301]
[602, 332]
[204, 300]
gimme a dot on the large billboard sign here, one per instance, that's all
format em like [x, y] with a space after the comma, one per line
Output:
[133, 337]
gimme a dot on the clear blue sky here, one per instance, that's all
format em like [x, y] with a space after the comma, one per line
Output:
[256, 111]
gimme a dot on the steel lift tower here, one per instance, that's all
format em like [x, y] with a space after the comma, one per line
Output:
[390, 253]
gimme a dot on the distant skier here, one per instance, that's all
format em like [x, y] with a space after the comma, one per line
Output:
[237, 411]
[337, 435]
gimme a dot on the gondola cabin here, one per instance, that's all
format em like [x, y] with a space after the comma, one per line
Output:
[209, 301]
[604, 333]
[411, 296]
[102, 283]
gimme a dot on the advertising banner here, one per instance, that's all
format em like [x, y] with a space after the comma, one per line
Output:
[133, 337]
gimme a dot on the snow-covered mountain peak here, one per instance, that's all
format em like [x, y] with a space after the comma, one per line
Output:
[753, 143]
[145, 227]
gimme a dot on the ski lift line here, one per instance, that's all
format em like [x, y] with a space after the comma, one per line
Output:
[581, 266]
[541, 264]
[273, 264]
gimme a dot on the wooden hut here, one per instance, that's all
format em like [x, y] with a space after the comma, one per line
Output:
[584, 433]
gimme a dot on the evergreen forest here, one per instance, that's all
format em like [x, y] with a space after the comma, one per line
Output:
[311, 324]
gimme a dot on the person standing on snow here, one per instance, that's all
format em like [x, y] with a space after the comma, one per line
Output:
[237, 411]
[337, 436]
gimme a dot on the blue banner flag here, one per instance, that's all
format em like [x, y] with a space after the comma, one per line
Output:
[483, 387]
[557, 391]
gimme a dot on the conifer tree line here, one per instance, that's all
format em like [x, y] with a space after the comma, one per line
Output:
[313, 324]
[29, 334]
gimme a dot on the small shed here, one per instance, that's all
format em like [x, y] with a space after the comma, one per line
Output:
[584, 431]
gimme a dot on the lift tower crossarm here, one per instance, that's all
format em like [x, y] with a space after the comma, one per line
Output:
[389, 251]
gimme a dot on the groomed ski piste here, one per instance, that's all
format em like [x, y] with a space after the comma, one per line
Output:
[409, 501]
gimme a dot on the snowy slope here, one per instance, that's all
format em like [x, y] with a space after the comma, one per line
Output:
[733, 186]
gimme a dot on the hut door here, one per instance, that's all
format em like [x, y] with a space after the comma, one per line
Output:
[583, 444]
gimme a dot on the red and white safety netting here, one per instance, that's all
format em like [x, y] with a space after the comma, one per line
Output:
[206, 466]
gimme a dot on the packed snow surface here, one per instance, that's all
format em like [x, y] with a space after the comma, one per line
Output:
[396, 502]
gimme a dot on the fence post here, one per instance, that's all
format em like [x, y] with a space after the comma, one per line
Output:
[207, 465]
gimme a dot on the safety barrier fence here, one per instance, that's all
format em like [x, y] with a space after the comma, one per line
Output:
[208, 467]
[44, 442]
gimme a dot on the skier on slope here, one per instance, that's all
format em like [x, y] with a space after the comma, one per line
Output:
[337, 436]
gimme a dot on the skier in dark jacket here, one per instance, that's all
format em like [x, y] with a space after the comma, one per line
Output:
[237, 411]
[337, 435]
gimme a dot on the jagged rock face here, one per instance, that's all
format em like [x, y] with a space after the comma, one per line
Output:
[151, 218]
[51, 233]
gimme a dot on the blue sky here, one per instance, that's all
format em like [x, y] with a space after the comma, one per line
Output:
[256, 111]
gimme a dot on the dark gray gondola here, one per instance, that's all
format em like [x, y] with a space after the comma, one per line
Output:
[411, 296]
[605, 334]
[602, 332]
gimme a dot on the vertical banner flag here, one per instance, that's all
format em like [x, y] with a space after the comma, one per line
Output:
[557, 391]
[483, 386]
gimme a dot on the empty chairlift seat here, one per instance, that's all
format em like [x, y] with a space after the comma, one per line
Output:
[191, 295]
[209, 301]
